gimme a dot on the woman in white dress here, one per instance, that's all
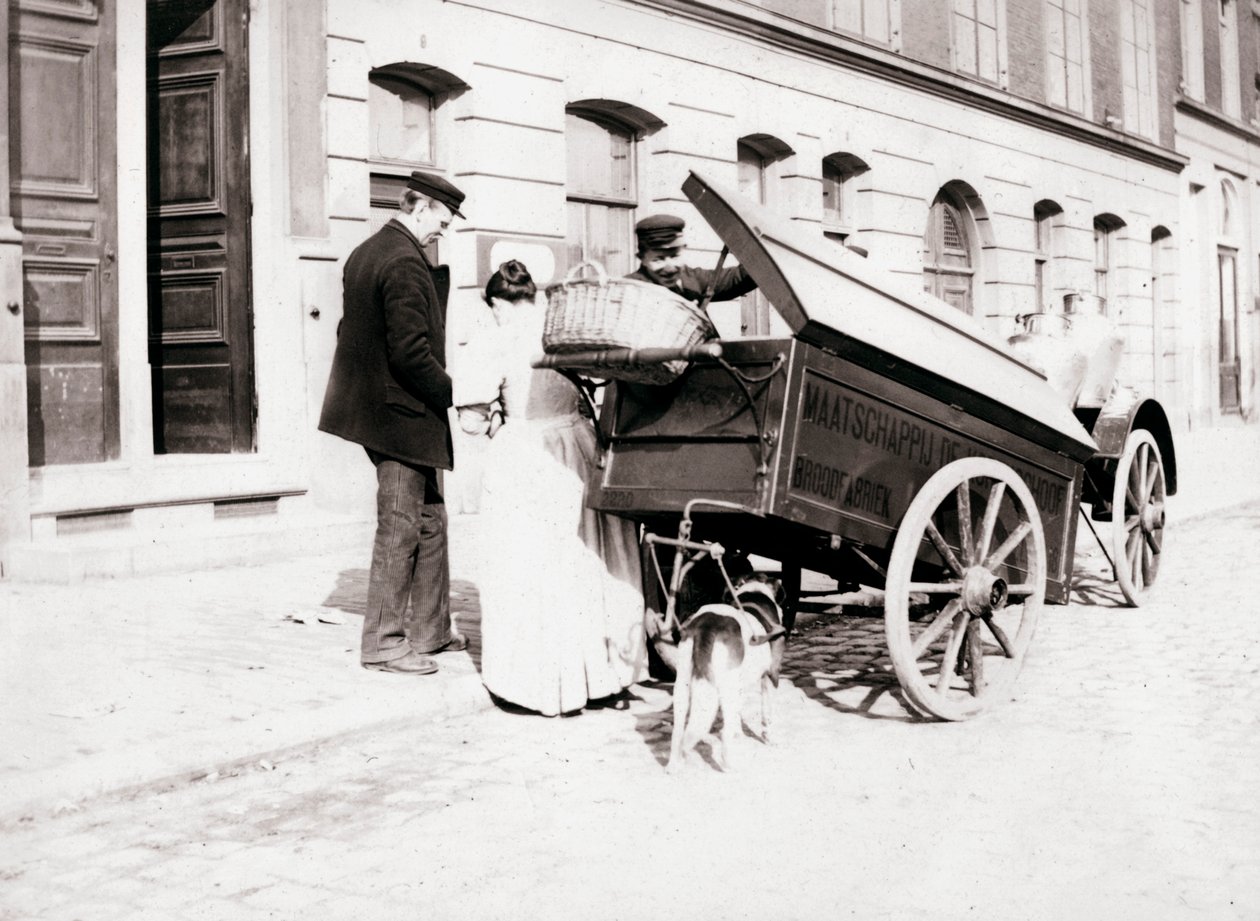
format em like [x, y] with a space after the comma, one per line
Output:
[561, 598]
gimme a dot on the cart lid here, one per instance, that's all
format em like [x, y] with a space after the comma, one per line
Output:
[837, 300]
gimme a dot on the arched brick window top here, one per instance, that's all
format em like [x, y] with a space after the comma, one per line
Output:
[845, 164]
[640, 122]
[1108, 222]
[433, 80]
[1046, 208]
[767, 146]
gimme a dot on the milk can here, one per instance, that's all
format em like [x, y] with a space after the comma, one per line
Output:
[1047, 344]
[1098, 337]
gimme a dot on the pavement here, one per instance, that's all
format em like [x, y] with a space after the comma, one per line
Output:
[117, 686]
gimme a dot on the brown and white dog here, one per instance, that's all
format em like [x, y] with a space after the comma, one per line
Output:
[724, 651]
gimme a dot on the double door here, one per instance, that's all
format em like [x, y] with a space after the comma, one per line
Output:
[63, 113]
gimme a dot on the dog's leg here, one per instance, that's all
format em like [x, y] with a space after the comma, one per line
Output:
[704, 710]
[767, 707]
[731, 692]
[682, 704]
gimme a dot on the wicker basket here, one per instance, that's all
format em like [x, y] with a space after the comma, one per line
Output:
[585, 314]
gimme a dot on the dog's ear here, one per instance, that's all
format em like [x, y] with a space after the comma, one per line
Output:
[775, 585]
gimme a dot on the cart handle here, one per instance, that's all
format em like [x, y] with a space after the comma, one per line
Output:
[603, 358]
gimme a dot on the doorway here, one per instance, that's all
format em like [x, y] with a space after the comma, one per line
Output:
[200, 312]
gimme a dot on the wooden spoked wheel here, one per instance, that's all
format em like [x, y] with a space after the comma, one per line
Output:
[966, 582]
[1137, 515]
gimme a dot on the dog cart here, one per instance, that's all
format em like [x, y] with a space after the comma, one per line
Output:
[889, 442]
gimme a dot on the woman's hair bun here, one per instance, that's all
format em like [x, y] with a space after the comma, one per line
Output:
[511, 282]
[514, 272]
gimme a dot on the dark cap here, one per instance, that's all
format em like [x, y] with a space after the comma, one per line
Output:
[660, 231]
[437, 189]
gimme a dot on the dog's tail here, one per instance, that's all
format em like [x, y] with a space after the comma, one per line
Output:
[762, 638]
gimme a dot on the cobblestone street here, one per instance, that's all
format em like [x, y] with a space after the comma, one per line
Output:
[1119, 784]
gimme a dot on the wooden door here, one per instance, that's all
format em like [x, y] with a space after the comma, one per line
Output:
[200, 316]
[1230, 391]
[63, 167]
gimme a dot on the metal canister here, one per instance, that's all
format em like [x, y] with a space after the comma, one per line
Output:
[1047, 344]
[1098, 337]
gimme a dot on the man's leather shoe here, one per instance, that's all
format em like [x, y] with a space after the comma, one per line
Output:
[411, 664]
[457, 643]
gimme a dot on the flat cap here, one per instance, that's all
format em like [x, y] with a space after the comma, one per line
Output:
[660, 231]
[437, 189]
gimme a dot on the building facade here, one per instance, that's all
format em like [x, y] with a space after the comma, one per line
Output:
[171, 268]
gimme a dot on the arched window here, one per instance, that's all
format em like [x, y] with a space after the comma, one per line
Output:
[839, 199]
[403, 104]
[757, 157]
[1105, 227]
[949, 249]
[401, 117]
[601, 181]
[1046, 215]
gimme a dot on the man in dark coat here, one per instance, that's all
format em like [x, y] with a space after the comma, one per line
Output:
[660, 244]
[389, 391]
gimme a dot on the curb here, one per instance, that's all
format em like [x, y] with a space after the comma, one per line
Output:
[188, 757]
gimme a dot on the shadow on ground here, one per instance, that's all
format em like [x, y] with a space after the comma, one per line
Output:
[350, 594]
[840, 661]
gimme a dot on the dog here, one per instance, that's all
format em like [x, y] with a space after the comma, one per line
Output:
[725, 650]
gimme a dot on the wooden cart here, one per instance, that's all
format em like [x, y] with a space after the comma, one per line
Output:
[889, 442]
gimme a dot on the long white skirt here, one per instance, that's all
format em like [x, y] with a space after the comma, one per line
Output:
[561, 598]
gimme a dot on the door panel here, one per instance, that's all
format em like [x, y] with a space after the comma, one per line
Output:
[64, 203]
[200, 318]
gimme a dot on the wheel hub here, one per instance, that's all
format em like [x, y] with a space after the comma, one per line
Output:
[983, 592]
[1152, 517]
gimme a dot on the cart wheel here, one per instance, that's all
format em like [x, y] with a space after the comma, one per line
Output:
[1137, 536]
[970, 556]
